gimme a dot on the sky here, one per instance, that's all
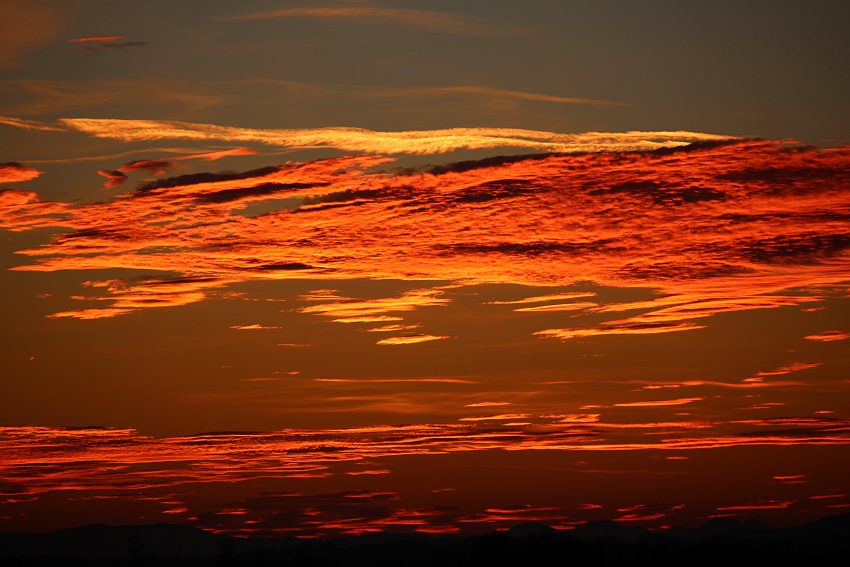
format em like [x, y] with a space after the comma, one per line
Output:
[326, 268]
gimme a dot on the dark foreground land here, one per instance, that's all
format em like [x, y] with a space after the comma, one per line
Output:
[721, 542]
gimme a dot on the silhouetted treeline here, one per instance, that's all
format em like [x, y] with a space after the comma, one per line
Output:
[721, 542]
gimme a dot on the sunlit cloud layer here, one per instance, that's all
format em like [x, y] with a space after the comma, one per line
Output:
[718, 227]
[34, 460]
[15, 172]
[353, 139]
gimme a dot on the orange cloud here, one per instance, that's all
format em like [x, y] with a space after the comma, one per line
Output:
[638, 329]
[653, 403]
[793, 367]
[16, 197]
[393, 380]
[391, 328]
[500, 417]
[153, 167]
[91, 313]
[575, 306]
[101, 459]
[98, 38]
[346, 139]
[828, 336]
[541, 298]
[698, 223]
[13, 172]
[113, 178]
[140, 293]
[767, 505]
[213, 156]
[367, 308]
[410, 339]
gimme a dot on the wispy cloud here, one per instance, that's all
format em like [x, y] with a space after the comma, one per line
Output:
[637, 329]
[488, 92]
[47, 97]
[793, 367]
[346, 139]
[574, 306]
[828, 336]
[97, 38]
[14, 172]
[765, 505]
[658, 403]
[41, 459]
[445, 22]
[410, 339]
[542, 298]
[103, 46]
[26, 26]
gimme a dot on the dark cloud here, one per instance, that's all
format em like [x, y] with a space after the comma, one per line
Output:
[113, 178]
[267, 189]
[197, 178]
[122, 45]
[152, 166]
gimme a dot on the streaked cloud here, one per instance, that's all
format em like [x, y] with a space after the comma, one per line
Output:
[97, 313]
[657, 403]
[43, 459]
[97, 38]
[793, 367]
[445, 22]
[122, 45]
[622, 219]
[347, 310]
[25, 26]
[391, 328]
[636, 329]
[574, 306]
[542, 298]
[765, 505]
[346, 139]
[50, 96]
[410, 339]
[397, 380]
[828, 336]
[488, 92]
[14, 172]
[498, 417]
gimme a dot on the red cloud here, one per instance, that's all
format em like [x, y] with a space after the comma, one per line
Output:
[213, 156]
[114, 178]
[97, 38]
[16, 197]
[13, 172]
[828, 336]
[699, 223]
[154, 167]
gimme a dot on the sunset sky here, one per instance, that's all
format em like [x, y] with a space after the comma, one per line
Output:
[328, 267]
